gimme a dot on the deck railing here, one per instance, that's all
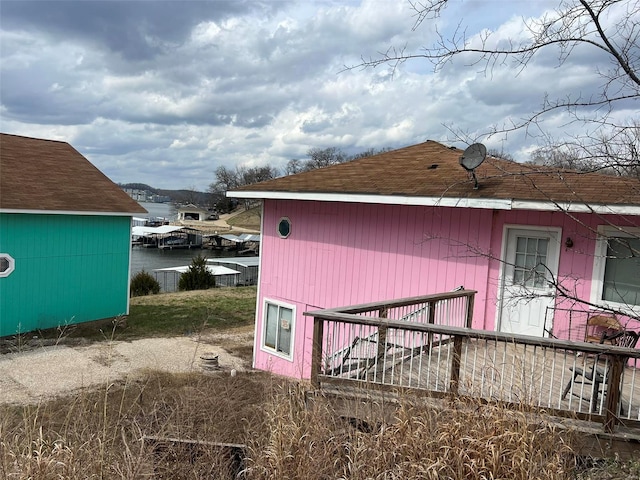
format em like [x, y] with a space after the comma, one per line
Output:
[426, 344]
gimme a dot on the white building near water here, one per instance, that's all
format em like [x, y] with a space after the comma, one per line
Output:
[193, 213]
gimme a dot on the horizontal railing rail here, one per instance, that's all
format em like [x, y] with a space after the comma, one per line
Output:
[381, 345]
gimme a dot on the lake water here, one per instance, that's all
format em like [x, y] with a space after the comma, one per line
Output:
[149, 259]
[160, 210]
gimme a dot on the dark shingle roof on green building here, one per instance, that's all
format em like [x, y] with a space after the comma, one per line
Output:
[49, 175]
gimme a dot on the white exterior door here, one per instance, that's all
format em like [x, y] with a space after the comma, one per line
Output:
[530, 265]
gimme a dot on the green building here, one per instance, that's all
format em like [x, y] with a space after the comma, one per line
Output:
[65, 238]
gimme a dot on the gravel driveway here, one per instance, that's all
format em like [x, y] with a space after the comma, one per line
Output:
[45, 372]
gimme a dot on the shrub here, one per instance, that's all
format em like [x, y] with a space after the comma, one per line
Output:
[143, 283]
[198, 277]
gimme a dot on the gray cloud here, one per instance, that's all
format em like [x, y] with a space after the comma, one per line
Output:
[138, 30]
[163, 92]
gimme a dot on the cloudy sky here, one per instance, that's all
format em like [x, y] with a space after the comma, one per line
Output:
[164, 92]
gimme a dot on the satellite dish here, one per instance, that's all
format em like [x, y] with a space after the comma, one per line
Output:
[472, 158]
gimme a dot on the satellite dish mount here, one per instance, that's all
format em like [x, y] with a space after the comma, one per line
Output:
[472, 158]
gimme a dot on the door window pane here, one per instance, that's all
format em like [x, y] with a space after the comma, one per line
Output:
[530, 260]
[542, 246]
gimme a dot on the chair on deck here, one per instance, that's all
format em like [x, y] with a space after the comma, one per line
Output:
[596, 374]
[600, 324]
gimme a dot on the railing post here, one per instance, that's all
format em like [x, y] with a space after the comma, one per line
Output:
[382, 345]
[612, 399]
[455, 364]
[470, 300]
[431, 313]
[316, 352]
[431, 319]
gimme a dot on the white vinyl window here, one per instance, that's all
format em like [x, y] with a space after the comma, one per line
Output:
[616, 279]
[7, 264]
[278, 328]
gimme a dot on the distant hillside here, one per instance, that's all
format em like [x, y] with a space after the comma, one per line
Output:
[186, 196]
[176, 196]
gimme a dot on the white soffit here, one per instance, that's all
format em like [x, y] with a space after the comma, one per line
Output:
[487, 203]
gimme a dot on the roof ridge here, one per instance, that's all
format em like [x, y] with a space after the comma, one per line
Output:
[33, 138]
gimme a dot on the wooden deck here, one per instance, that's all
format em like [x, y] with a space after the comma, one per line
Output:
[386, 347]
[494, 371]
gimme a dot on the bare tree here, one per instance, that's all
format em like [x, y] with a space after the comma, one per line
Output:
[249, 175]
[325, 157]
[229, 179]
[369, 152]
[226, 179]
[293, 166]
[500, 154]
[609, 27]
[551, 156]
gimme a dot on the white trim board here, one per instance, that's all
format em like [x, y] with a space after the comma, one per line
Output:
[455, 202]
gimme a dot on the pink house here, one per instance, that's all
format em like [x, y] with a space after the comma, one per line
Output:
[544, 248]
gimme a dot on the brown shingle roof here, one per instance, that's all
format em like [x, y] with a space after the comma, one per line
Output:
[431, 169]
[49, 175]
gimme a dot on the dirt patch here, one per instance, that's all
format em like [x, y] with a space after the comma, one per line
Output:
[49, 371]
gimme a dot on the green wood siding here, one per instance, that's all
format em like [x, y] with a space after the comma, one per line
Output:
[68, 269]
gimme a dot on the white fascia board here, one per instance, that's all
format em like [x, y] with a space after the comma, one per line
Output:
[598, 208]
[68, 212]
[488, 203]
[491, 203]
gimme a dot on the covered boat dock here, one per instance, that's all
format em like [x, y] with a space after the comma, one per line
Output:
[166, 237]
[247, 266]
[170, 277]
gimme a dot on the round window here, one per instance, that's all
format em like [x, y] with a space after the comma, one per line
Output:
[284, 227]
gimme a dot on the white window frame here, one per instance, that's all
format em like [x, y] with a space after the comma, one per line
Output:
[599, 264]
[12, 265]
[274, 351]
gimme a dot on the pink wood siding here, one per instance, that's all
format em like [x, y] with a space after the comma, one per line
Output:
[341, 254]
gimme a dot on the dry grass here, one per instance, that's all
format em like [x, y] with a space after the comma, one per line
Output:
[469, 441]
[98, 435]
[249, 219]
[199, 297]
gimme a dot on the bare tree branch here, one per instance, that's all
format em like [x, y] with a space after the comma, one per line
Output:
[608, 26]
